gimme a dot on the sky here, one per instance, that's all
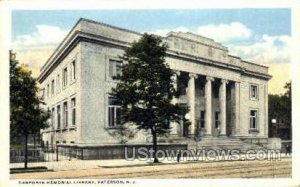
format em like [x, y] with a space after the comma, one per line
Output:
[261, 36]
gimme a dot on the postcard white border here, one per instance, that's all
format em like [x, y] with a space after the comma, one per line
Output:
[5, 35]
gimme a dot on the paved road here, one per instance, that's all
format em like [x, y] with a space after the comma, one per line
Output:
[222, 169]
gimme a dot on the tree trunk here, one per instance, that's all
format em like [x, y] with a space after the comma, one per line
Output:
[154, 145]
[26, 152]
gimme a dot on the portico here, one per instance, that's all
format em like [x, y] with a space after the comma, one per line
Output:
[211, 96]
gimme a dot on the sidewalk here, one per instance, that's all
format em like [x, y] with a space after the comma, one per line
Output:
[65, 165]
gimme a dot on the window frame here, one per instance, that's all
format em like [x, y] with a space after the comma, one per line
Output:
[52, 87]
[255, 96]
[115, 108]
[58, 112]
[65, 114]
[48, 91]
[202, 120]
[73, 70]
[43, 93]
[65, 77]
[53, 117]
[112, 68]
[255, 117]
[73, 110]
[58, 83]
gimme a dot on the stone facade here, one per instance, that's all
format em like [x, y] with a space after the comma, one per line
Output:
[227, 95]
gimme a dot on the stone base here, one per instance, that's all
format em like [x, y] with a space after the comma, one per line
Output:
[116, 151]
[274, 143]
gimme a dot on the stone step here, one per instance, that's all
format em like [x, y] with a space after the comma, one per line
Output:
[225, 143]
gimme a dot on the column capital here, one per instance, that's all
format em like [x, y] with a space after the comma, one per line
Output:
[224, 81]
[193, 75]
[177, 72]
[209, 78]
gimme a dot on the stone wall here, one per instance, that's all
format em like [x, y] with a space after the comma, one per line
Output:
[63, 94]
[116, 151]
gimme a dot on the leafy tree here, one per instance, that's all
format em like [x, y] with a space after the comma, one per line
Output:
[287, 102]
[280, 106]
[145, 89]
[26, 115]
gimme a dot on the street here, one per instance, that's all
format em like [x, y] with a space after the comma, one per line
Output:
[221, 169]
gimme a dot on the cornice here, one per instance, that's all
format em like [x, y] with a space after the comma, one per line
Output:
[78, 36]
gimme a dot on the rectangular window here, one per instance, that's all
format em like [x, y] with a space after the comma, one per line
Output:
[73, 73]
[115, 68]
[73, 104]
[253, 119]
[53, 117]
[58, 83]
[65, 113]
[253, 91]
[114, 110]
[217, 119]
[65, 77]
[58, 116]
[43, 93]
[202, 119]
[48, 90]
[52, 87]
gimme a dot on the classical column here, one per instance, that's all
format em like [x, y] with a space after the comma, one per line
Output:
[191, 94]
[222, 97]
[175, 127]
[175, 84]
[236, 129]
[208, 102]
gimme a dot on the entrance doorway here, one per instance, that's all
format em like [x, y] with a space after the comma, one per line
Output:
[186, 130]
[216, 124]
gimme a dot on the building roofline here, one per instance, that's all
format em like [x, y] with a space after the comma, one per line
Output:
[254, 63]
[69, 33]
[234, 56]
[56, 54]
[60, 44]
[111, 26]
[245, 61]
